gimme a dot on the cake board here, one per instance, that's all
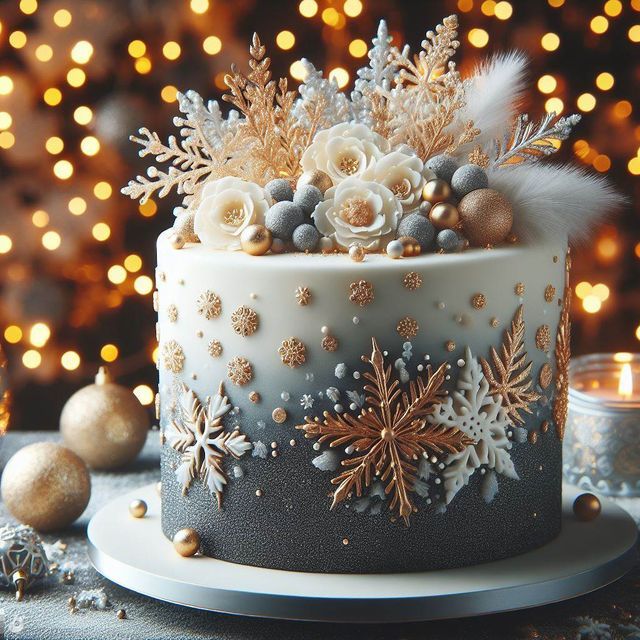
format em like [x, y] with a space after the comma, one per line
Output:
[135, 554]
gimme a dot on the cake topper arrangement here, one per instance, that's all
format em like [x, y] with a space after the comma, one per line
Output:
[416, 159]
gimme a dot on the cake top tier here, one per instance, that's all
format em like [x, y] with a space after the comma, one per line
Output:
[416, 159]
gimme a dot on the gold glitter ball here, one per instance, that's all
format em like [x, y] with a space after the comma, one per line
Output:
[172, 356]
[256, 240]
[412, 281]
[444, 215]
[549, 293]
[545, 376]
[519, 289]
[317, 178]
[361, 293]
[450, 345]
[486, 217]
[543, 337]
[279, 415]
[292, 352]
[436, 190]
[215, 348]
[244, 321]
[186, 542]
[209, 305]
[479, 301]
[357, 252]
[239, 371]
[172, 313]
[138, 508]
[303, 296]
[254, 396]
[407, 328]
[329, 343]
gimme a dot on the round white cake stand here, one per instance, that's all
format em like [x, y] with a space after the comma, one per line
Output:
[585, 556]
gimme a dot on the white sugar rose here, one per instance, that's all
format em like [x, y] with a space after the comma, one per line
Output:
[358, 211]
[344, 150]
[228, 206]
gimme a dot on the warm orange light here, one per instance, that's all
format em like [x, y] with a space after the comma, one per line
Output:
[613, 8]
[554, 105]
[109, 352]
[117, 274]
[308, 8]
[101, 231]
[358, 48]
[634, 33]
[62, 18]
[18, 39]
[599, 24]
[625, 386]
[7, 140]
[143, 65]
[31, 359]
[43, 53]
[586, 102]
[607, 248]
[90, 145]
[503, 10]
[102, 190]
[63, 169]
[5, 243]
[143, 285]
[550, 41]
[169, 93]
[54, 145]
[622, 357]
[137, 48]
[81, 52]
[76, 77]
[547, 84]
[340, 75]
[39, 334]
[212, 45]
[13, 334]
[77, 206]
[6, 85]
[297, 70]
[51, 240]
[199, 6]
[604, 81]
[465, 5]
[52, 96]
[83, 115]
[352, 8]
[478, 38]
[148, 209]
[70, 360]
[622, 109]
[592, 304]
[40, 218]
[285, 39]
[133, 263]
[171, 50]
[144, 393]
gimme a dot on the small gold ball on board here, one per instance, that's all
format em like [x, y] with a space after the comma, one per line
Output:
[187, 542]
[487, 217]
[104, 423]
[357, 252]
[436, 191]
[121, 614]
[46, 486]
[138, 508]
[587, 507]
[410, 246]
[177, 241]
[444, 215]
[317, 178]
[256, 240]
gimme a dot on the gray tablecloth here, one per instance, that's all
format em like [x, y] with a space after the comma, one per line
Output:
[611, 613]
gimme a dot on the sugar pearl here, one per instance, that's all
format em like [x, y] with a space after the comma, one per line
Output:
[326, 245]
[356, 252]
[279, 189]
[395, 249]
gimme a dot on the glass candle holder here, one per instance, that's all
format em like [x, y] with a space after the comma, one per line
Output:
[601, 448]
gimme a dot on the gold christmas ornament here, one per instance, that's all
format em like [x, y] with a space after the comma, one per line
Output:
[23, 560]
[357, 252]
[5, 394]
[138, 508]
[587, 507]
[256, 240]
[487, 217]
[187, 542]
[444, 215]
[436, 191]
[46, 486]
[104, 423]
[410, 246]
[317, 178]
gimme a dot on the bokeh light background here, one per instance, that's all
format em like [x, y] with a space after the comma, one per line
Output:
[77, 77]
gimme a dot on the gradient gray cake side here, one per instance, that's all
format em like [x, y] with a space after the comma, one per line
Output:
[286, 333]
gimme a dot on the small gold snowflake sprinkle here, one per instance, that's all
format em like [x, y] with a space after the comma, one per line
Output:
[303, 296]
[407, 328]
[549, 293]
[292, 352]
[450, 345]
[533, 437]
[209, 305]
[279, 415]
[244, 321]
[494, 322]
[412, 281]
[172, 313]
[543, 337]
[329, 343]
[361, 293]
[545, 376]
[239, 370]
[519, 289]
[544, 427]
[215, 349]
[478, 301]
[172, 356]
[479, 157]
[254, 396]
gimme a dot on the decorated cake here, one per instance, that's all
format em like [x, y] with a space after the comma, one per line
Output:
[363, 314]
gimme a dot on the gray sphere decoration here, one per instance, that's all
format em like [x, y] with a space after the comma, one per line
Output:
[306, 237]
[448, 240]
[307, 197]
[282, 218]
[443, 165]
[279, 189]
[468, 178]
[419, 227]
[424, 208]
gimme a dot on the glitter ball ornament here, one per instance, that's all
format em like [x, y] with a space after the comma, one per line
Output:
[138, 508]
[46, 486]
[448, 240]
[436, 191]
[317, 178]
[104, 423]
[306, 237]
[395, 249]
[278, 246]
[256, 240]
[444, 216]
[23, 560]
[587, 507]
[282, 218]
[279, 189]
[468, 178]
[183, 227]
[307, 197]
[357, 252]
[186, 542]
[418, 227]
[443, 165]
[486, 217]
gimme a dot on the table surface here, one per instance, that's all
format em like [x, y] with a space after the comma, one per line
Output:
[611, 613]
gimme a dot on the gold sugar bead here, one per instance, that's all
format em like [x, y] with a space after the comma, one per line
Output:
[317, 178]
[177, 241]
[587, 507]
[444, 215]
[187, 542]
[357, 252]
[436, 191]
[256, 240]
[138, 508]
[410, 246]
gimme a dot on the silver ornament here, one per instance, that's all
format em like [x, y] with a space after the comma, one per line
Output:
[23, 560]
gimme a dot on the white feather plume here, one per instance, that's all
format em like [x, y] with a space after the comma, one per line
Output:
[493, 94]
[555, 200]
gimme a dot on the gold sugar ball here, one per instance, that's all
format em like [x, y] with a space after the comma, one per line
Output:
[187, 542]
[138, 508]
[587, 507]
[410, 246]
[104, 423]
[177, 241]
[317, 178]
[183, 227]
[46, 486]
[436, 190]
[357, 252]
[444, 215]
[487, 217]
[256, 240]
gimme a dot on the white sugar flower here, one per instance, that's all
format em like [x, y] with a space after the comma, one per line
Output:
[228, 206]
[344, 150]
[358, 211]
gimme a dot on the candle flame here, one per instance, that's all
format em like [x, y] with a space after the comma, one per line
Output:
[625, 386]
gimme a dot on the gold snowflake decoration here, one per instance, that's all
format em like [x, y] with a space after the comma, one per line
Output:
[407, 328]
[389, 436]
[172, 356]
[479, 157]
[215, 348]
[412, 281]
[239, 371]
[543, 337]
[361, 293]
[292, 352]
[172, 313]
[244, 321]
[209, 305]
[549, 293]
[303, 296]
[563, 356]
[329, 343]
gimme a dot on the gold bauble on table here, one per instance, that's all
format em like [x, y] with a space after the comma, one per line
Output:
[317, 178]
[444, 215]
[436, 191]
[104, 423]
[46, 486]
[187, 542]
[138, 508]
[587, 507]
[410, 246]
[487, 217]
[256, 240]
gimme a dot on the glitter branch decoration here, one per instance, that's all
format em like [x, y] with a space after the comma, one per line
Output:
[563, 357]
[392, 433]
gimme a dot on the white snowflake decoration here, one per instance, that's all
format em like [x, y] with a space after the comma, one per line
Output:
[199, 436]
[479, 415]
[306, 401]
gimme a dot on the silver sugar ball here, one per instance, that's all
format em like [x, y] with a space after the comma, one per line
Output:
[418, 227]
[306, 237]
[307, 197]
[282, 218]
[278, 246]
[395, 249]
[424, 208]
[443, 165]
[468, 178]
[448, 240]
[279, 189]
